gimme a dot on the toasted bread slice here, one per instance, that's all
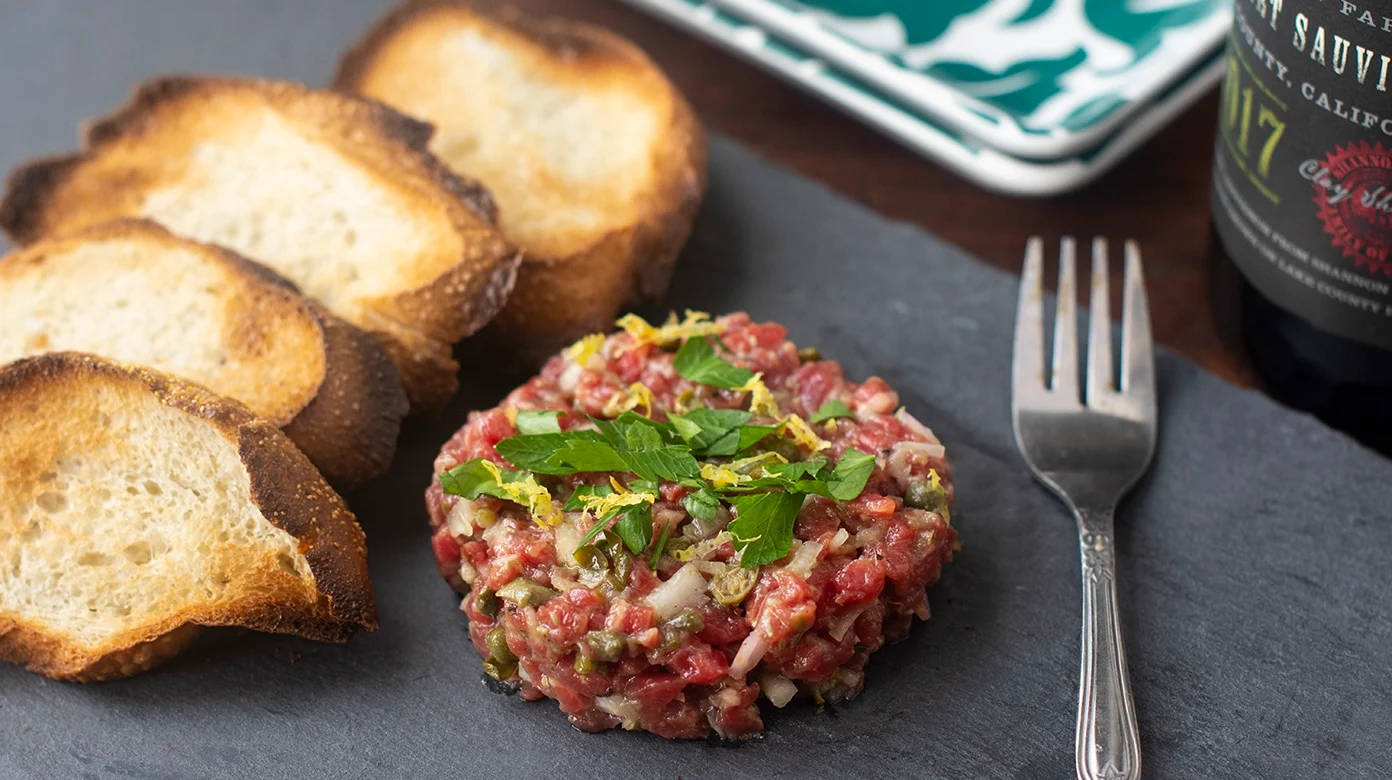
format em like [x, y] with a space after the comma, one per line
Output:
[135, 506]
[596, 161]
[336, 193]
[132, 291]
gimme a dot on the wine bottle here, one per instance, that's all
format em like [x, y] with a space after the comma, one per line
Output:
[1302, 202]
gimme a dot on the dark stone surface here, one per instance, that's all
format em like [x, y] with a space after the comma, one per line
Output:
[1254, 558]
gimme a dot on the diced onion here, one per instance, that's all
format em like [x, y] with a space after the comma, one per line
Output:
[685, 589]
[494, 533]
[912, 423]
[838, 539]
[869, 535]
[905, 454]
[461, 518]
[570, 377]
[705, 528]
[751, 652]
[838, 627]
[779, 689]
[467, 572]
[621, 707]
[568, 538]
[804, 559]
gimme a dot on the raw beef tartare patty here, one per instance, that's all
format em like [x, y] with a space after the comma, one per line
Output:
[671, 521]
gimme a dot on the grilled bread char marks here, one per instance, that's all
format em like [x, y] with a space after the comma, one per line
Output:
[334, 192]
[134, 292]
[135, 507]
[596, 160]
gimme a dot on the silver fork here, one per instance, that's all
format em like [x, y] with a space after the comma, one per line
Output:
[1089, 450]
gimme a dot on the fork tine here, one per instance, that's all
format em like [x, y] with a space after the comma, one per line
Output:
[1027, 368]
[1137, 352]
[1099, 349]
[1065, 380]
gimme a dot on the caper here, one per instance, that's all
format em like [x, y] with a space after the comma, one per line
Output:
[732, 585]
[523, 592]
[809, 354]
[924, 495]
[498, 646]
[688, 620]
[486, 602]
[622, 561]
[585, 664]
[591, 558]
[605, 645]
[499, 671]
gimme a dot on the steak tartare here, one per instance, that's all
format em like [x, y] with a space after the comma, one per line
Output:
[671, 521]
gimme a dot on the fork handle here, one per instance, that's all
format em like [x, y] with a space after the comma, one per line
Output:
[1107, 745]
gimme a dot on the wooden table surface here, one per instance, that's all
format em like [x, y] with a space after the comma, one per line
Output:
[1158, 196]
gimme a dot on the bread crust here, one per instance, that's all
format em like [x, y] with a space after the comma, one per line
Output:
[453, 305]
[348, 419]
[285, 487]
[559, 298]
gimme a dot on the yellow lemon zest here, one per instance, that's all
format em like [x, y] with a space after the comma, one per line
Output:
[586, 348]
[721, 476]
[693, 325]
[511, 414]
[621, 497]
[831, 425]
[761, 401]
[802, 433]
[749, 464]
[638, 394]
[684, 401]
[935, 484]
[528, 493]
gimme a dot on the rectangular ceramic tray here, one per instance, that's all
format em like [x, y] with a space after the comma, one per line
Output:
[1042, 79]
[969, 157]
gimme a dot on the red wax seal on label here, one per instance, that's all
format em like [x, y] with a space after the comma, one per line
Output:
[1353, 192]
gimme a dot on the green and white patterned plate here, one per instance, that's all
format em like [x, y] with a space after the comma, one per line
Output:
[1034, 78]
[973, 160]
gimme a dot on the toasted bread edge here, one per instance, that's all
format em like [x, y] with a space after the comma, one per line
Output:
[624, 267]
[286, 488]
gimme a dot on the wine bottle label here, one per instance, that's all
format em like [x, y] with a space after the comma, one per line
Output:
[1302, 178]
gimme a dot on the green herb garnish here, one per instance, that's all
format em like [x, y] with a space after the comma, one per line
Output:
[765, 506]
[763, 525]
[472, 479]
[697, 361]
[831, 410]
[538, 421]
[850, 475]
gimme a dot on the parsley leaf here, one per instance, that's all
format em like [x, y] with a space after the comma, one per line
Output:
[531, 421]
[584, 455]
[797, 469]
[534, 452]
[763, 526]
[850, 475]
[715, 432]
[635, 527]
[701, 504]
[749, 435]
[471, 480]
[697, 361]
[830, 410]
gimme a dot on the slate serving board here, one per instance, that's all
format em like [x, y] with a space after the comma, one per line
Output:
[1255, 559]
